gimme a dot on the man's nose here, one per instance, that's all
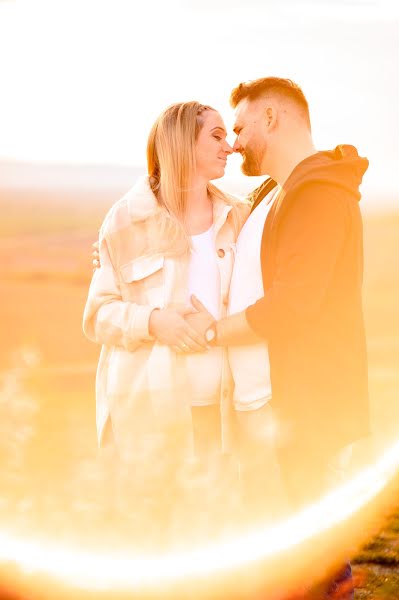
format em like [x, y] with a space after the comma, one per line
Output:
[236, 146]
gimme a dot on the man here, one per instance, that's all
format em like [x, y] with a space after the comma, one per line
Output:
[310, 310]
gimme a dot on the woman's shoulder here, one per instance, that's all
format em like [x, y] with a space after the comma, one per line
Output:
[116, 218]
[136, 205]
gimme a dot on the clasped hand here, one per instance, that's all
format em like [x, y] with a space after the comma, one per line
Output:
[200, 319]
[179, 326]
[182, 327]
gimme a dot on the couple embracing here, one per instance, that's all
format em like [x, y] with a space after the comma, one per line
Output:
[237, 322]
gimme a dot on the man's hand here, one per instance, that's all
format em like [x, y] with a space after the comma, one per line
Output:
[96, 256]
[230, 331]
[200, 320]
[169, 327]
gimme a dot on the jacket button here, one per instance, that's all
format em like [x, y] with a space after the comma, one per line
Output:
[221, 253]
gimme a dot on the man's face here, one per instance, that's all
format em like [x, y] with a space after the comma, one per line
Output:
[251, 131]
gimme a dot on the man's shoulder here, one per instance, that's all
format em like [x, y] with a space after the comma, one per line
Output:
[320, 193]
[318, 204]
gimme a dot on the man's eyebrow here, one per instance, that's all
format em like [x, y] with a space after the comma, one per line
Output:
[221, 129]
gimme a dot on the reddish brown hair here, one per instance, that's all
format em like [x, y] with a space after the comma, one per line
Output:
[275, 86]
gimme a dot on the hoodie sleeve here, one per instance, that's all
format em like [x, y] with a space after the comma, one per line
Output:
[107, 318]
[310, 240]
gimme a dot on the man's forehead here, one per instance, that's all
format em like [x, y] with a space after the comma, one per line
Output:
[245, 109]
[241, 109]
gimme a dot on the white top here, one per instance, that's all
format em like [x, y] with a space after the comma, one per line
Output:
[204, 276]
[205, 369]
[249, 364]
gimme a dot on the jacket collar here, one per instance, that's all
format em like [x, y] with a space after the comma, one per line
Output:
[141, 201]
[220, 211]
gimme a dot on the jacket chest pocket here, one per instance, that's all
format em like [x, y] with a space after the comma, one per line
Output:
[143, 280]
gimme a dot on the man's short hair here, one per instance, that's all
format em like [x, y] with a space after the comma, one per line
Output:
[276, 86]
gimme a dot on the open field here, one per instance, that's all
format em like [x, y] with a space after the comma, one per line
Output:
[47, 367]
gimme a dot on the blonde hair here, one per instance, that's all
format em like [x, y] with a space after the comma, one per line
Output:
[171, 165]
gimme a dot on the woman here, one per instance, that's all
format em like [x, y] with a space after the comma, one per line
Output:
[169, 237]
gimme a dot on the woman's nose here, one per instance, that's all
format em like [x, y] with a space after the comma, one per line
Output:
[228, 148]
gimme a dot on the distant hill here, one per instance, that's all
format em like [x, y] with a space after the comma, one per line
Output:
[57, 180]
[18, 175]
[24, 181]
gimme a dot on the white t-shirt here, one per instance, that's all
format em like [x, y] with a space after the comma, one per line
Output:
[249, 364]
[204, 276]
[205, 369]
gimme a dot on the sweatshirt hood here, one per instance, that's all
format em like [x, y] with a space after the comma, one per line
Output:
[341, 167]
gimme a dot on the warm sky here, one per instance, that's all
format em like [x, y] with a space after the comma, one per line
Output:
[83, 80]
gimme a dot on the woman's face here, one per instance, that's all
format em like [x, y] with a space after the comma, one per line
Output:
[212, 148]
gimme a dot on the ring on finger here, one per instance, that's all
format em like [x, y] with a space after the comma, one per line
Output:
[184, 346]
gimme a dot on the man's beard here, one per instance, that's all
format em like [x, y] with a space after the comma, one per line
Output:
[252, 161]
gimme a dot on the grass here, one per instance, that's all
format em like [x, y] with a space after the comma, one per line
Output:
[376, 566]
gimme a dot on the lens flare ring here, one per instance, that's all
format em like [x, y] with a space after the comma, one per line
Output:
[104, 571]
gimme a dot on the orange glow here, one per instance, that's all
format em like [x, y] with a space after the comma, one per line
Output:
[124, 570]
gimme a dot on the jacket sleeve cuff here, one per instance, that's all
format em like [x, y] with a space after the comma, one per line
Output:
[141, 320]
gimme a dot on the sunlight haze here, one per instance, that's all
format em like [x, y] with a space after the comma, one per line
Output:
[85, 80]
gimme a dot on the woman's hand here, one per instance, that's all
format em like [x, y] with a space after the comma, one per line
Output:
[199, 319]
[169, 327]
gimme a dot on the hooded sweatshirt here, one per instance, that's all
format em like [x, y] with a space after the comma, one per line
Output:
[311, 312]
